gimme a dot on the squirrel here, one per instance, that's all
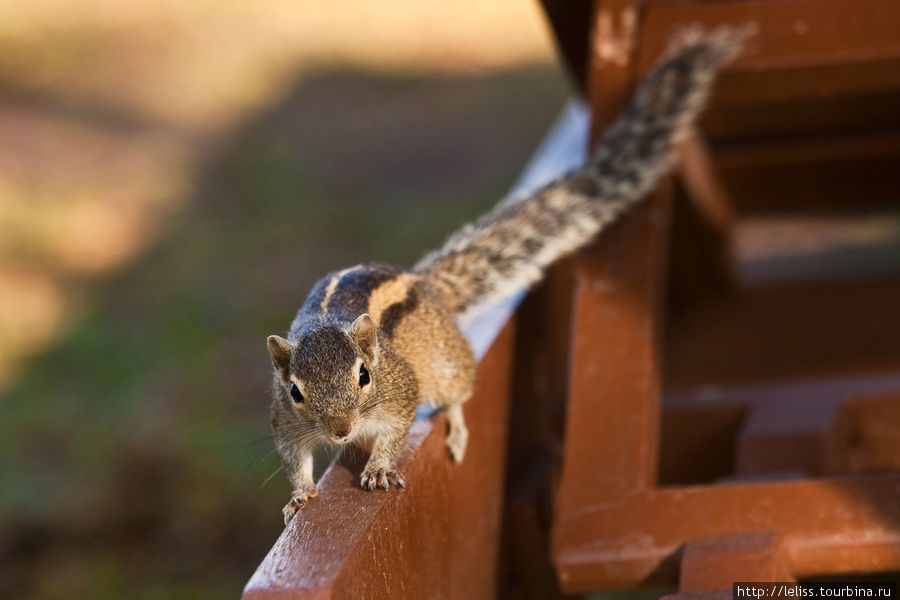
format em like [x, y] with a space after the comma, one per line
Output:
[373, 342]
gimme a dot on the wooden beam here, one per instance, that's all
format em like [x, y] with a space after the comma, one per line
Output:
[759, 154]
[715, 563]
[636, 538]
[570, 21]
[701, 180]
[803, 48]
[614, 388]
[611, 75]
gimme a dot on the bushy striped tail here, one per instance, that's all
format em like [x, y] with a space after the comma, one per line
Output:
[510, 247]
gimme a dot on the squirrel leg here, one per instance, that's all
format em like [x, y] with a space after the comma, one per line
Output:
[457, 433]
[298, 465]
[380, 471]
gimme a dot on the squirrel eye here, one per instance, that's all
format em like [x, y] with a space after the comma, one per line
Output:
[295, 393]
[363, 376]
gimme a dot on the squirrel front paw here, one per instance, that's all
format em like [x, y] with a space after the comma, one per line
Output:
[374, 477]
[298, 501]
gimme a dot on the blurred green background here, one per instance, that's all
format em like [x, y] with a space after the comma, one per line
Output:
[173, 178]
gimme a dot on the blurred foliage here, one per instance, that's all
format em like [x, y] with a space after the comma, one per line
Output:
[135, 446]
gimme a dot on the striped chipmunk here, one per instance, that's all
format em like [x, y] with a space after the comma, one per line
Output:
[373, 342]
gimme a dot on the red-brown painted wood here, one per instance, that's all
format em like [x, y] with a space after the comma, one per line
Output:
[610, 441]
[614, 525]
[714, 563]
[570, 21]
[802, 48]
[836, 526]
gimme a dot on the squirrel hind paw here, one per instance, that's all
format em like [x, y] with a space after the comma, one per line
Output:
[456, 445]
[457, 435]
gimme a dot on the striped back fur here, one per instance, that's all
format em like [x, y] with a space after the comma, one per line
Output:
[510, 247]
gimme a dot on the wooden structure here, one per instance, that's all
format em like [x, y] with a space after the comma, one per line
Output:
[697, 400]
[683, 422]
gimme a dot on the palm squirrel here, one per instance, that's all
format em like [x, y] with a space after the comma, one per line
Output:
[373, 342]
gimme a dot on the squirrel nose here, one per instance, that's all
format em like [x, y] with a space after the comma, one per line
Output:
[341, 431]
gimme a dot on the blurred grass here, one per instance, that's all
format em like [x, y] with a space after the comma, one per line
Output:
[155, 228]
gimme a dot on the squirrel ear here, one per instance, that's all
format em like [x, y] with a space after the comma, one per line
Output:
[280, 350]
[363, 334]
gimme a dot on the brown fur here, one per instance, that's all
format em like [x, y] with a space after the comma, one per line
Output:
[373, 342]
[412, 349]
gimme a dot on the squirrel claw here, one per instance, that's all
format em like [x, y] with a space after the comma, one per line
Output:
[289, 510]
[381, 478]
[297, 502]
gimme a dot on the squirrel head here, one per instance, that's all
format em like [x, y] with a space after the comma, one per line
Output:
[330, 375]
